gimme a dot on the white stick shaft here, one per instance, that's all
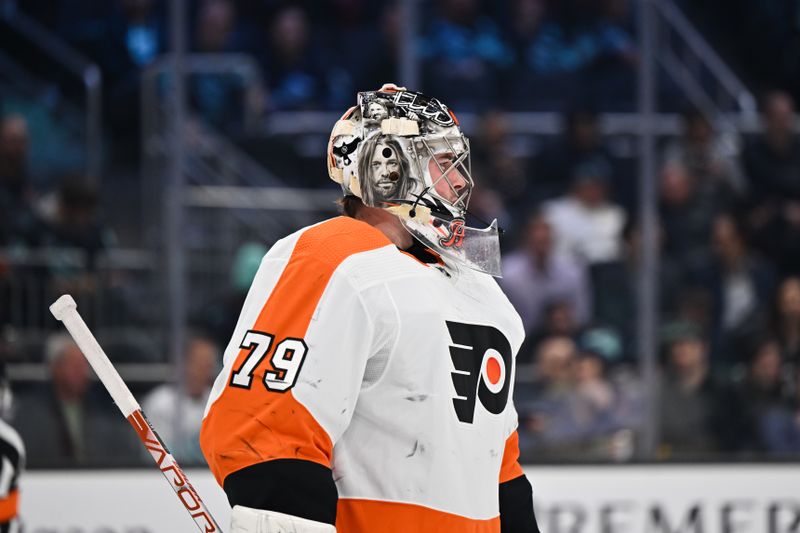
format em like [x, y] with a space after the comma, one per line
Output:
[65, 310]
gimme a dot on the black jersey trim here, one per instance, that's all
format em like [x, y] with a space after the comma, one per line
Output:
[516, 507]
[422, 253]
[9, 451]
[290, 486]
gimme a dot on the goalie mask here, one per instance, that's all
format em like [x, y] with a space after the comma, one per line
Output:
[404, 152]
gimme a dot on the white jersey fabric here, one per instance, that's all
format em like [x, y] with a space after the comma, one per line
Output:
[396, 374]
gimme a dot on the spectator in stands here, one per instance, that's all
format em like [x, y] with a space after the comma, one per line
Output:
[689, 401]
[218, 96]
[772, 163]
[543, 401]
[19, 223]
[686, 217]
[741, 285]
[618, 370]
[75, 222]
[585, 222]
[377, 48]
[299, 75]
[581, 41]
[709, 157]
[65, 422]
[526, 19]
[135, 36]
[75, 237]
[614, 284]
[464, 55]
[495, 161]
[523, 91]
[581, 143]
[177, 409]
[593, 390]
[772, 160]
[609, 392]
[786, 320]
[694, 304]
[220, 316]
[761, 390]
[139, 41]
[780, 425]
[21, 226]
[558, 320]
[535, 275]
[570, 406]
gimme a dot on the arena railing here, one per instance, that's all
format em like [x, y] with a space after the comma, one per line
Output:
[688, 58]
[115, 291]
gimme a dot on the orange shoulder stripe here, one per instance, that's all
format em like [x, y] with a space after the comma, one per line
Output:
[249, 426]
[355, 515]
[511, 469]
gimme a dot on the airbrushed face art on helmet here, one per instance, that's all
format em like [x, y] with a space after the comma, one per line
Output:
[376, 111]
[405, 152]
[384, 171]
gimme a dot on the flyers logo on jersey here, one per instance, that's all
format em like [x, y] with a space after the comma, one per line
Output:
[481, 356]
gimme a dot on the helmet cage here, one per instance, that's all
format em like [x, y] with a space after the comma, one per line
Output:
[428, 151]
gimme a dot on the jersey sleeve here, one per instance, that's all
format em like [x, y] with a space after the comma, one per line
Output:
[292, 375]
[514, 492]
[510, 467]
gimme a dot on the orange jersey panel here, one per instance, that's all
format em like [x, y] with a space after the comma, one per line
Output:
[390, 517]
[511, 468]
[245, 426]
[8, 506]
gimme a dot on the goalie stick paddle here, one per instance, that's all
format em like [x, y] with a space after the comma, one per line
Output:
[66, 310]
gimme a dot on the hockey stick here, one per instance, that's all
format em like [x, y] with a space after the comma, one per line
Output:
[66, 310]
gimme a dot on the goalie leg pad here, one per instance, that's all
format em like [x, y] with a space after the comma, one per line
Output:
[248, 520]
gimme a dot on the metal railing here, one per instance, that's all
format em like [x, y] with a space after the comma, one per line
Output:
[88, 73]
[688, 58]
[114, 291]
[208, 153]
[239, 65]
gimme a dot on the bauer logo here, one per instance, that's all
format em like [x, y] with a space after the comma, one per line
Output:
[481, 357]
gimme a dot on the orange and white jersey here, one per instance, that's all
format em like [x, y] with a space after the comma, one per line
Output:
[395, 374]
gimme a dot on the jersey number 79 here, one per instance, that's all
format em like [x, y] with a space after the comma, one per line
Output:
[285, 361]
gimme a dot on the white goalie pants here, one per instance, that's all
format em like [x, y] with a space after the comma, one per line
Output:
[247, 520]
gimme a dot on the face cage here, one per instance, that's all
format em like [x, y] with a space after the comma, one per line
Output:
[462, 162]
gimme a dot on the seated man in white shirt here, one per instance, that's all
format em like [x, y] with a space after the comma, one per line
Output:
[585, 222]
[180, 431]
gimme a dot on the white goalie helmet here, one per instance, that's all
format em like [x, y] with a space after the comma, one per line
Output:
[404, 152]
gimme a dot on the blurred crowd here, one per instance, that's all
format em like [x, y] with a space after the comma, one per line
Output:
[69, 420]
[729, 293]
[525, 54]
[728, 234]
